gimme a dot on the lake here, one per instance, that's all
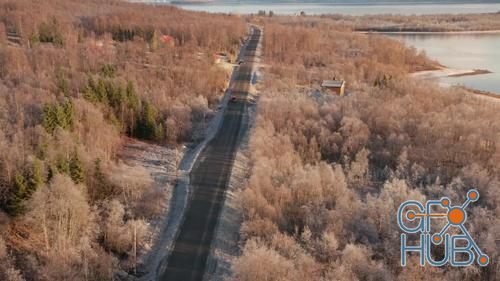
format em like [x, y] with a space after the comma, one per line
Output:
[462, 51]
[249, 7]
[480, 51]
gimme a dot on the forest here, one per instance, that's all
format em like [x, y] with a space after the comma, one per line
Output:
[76, 79]
[328, 173]
[420, 23]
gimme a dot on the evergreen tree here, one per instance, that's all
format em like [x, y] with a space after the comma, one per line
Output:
[132, 99]
[100, 91]
[133, 108]
[58, 115]
[67, 115]
[99, 176]
[17, 195]
[52, 170]
[100, 188]
[49, 121]
[50, 33]
[108, 70]
[116, 96]
[147, 127]
[23, 188]
[62, 165]
[90, 91]
[125, 106]
[34, 179]
[76, 171]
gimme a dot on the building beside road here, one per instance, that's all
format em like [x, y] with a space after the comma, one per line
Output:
[334, 86]
[221, 58]
[168, 40]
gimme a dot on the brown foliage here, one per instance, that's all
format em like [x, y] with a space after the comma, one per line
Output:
[75, 76]
[378, 146]
[421, 23]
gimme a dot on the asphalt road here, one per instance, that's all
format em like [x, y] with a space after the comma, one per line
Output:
[209, 180]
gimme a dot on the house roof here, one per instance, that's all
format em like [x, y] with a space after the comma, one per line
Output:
[332, 83]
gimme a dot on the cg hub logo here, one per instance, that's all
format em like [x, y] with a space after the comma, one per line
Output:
[459, 248]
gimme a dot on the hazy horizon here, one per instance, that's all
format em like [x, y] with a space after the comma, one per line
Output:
[383, 2]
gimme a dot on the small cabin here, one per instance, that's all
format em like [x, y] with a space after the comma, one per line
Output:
[168, 40]
[221, 58]
[334, 86]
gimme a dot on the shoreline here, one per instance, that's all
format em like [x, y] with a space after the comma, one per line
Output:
[466, 32]
[481, 93]
[444, 72]
[471, 73]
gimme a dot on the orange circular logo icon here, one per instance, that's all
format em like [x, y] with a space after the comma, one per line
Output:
[456, 216]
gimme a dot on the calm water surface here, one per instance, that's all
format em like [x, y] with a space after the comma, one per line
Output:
[346, 9]
[454, 51]
[479, 51]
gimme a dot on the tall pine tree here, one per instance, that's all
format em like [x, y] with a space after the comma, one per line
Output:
[23, 188]
[76, 171]
[15, 200]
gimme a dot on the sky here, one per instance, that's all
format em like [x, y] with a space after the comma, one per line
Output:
[362, 1]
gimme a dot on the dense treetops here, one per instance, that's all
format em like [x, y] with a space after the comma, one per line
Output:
[75, 77]
[329, 173]
[421, 23]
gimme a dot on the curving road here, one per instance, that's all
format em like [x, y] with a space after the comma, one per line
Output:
[209, 179]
